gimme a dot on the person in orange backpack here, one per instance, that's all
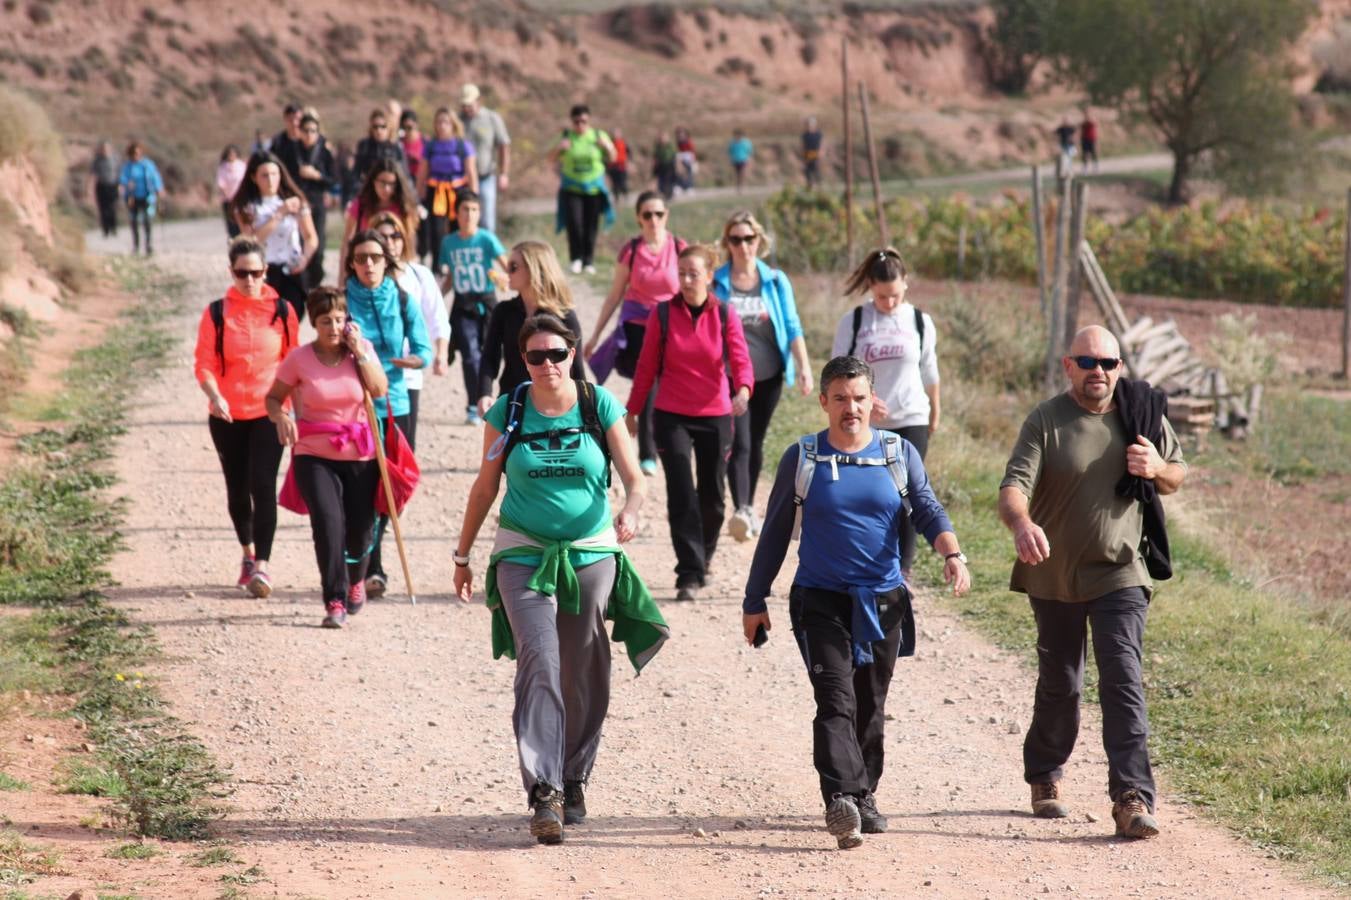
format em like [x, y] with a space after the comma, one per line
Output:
[241, 340]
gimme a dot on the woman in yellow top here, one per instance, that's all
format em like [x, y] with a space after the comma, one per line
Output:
[581, 155]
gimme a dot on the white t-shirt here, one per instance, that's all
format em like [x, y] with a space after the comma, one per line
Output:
[282, 247]
[901, 368]
[419, 283]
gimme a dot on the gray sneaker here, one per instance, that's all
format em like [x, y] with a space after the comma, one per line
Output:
[740, 525]
[843, 822]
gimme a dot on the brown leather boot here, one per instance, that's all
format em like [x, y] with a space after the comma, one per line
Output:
[1046, 802]
[1132, 817]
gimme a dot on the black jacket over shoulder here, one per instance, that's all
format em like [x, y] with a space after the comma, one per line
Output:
[1142, 408]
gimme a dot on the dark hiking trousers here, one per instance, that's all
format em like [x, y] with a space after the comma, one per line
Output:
[250, 456]
[748, 440]
[1117, 620]
[341, 496]
[919, 436]
[106, 195]
[377, 566]
[695, 515]
[847, 733]
[582, 214]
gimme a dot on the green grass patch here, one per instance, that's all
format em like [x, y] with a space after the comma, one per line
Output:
[251, 875]
[10, 783]
[22, 862]
[214, 856]
[134, 850]
[1301, 438]
[58, 529]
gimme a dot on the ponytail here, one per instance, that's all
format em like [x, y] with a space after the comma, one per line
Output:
[879, 266]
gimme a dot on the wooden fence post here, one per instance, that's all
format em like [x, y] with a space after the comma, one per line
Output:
[1055, 321]
[1039, 229]
[883, 232]
[1076, 278]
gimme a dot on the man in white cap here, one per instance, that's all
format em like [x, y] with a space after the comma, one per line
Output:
[492, 148]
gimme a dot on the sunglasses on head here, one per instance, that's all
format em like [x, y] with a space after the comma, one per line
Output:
[363, 258]
[553, 354]
[1089, 363]
[734, 239]
[249, 273]
[651, 214]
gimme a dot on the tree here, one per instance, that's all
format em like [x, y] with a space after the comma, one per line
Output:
[1014, 44]
[1209, 75]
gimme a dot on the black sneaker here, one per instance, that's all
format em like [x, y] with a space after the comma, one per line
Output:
[872, 821]
[687, 594]
[547, 822]
[574, 802]
[843, 823]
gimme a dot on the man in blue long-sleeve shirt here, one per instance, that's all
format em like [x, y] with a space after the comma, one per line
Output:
[849, 607]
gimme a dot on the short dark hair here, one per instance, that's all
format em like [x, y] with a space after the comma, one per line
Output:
[308, 119]
[846, 367]
[291, 109]
[545, 322]
[243, 246]
[581, 109]
[323, 300]
[465, 196]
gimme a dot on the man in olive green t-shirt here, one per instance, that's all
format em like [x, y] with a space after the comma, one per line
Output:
[1079, 563]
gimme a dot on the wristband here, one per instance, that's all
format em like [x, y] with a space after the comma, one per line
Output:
[461, 561]
[959, 556]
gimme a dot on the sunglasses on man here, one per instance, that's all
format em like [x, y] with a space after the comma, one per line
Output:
[1089, 363]
[554, 355]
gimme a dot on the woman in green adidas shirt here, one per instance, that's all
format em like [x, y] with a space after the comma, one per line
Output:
[557, 569]
[581, 155]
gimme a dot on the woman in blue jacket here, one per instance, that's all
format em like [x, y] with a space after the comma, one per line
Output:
[387, 316]
[142, 189]
[763, 298]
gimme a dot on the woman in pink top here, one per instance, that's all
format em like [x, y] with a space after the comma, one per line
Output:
[333, 446]
[692, 345]
[229, 175]
[644, 276]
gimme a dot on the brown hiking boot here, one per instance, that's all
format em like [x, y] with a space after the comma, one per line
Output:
[1132, 817]
[1046, 802]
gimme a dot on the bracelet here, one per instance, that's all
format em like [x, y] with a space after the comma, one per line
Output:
[461, 561]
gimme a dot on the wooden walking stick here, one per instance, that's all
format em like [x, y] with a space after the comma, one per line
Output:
[388, 489]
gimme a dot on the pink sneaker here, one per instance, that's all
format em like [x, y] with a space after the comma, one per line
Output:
[260, 585]
[356, 598]
[337, 615]
[245, 573]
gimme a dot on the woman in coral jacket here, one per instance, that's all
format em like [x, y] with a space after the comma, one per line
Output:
[691, 344]
[241, 340]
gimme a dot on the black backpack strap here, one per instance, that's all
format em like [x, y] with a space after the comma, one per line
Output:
[586, 400]
[632, 249]
[515, 416]
[217, 311]
[919, 328]
[858, 323]
[283, 313]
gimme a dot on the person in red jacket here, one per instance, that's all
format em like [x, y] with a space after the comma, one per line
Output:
[240, 344]
[692, 346]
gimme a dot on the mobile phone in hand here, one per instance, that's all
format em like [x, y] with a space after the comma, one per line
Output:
[761, 636]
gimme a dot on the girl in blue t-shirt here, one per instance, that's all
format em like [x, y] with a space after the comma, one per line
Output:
[465, 260]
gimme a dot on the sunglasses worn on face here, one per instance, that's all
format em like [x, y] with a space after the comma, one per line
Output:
[554, 355]
[362, 258]
[651, 214]
[391, 235]
[513, 267]
[734, 239]
[249, 273]
[1089, 363]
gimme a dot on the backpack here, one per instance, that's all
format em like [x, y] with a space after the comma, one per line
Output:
[586, 401]
[858, 322]
[217, 310]
[808, 457]
[631, 248]
[664, 319]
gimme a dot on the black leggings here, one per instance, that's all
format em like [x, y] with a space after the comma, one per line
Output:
[748, 440]
[291, 288]
[106, 195]
[341, 496]
[695, 513]
[377, 562]
[919, 436]
[582, 217]
[250, 455]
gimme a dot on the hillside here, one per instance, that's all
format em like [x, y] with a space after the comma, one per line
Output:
[192, 76]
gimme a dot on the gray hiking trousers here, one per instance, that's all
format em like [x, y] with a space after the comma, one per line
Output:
[562, 674]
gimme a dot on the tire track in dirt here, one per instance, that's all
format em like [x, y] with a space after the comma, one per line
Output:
[378, 761]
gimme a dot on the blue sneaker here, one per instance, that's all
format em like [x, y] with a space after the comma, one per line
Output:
[649, 466]
[471, 416]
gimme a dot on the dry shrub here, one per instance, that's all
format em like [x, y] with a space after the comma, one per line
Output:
[1247, 354]
[25, 130]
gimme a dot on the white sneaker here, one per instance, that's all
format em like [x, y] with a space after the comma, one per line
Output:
[589, 269]
[755, 522]
[576, 267]
[739, 525]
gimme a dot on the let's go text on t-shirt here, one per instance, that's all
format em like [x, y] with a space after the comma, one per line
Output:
[468, 260]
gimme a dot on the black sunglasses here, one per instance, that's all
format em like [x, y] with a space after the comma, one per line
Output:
[734, 239]
[1089, 363]
[553, 354]
[249, 273]
[650, 214]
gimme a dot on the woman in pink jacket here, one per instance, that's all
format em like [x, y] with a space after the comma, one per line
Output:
[692, 345]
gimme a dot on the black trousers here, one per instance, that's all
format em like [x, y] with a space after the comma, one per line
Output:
[290, 287]
[231, 226]
[250, 455]
[433, 230]
[582, 217]
[626, 363]
[377, 566]
[314, 271]
[919, 436]
[748, 440]
[414, 394]
[848, 731]
[1118, 623]
[106, 197]
[341, 498]
[138, 211]
[619, 183]
[695, 514]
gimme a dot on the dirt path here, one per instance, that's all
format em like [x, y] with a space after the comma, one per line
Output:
[378, 761]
